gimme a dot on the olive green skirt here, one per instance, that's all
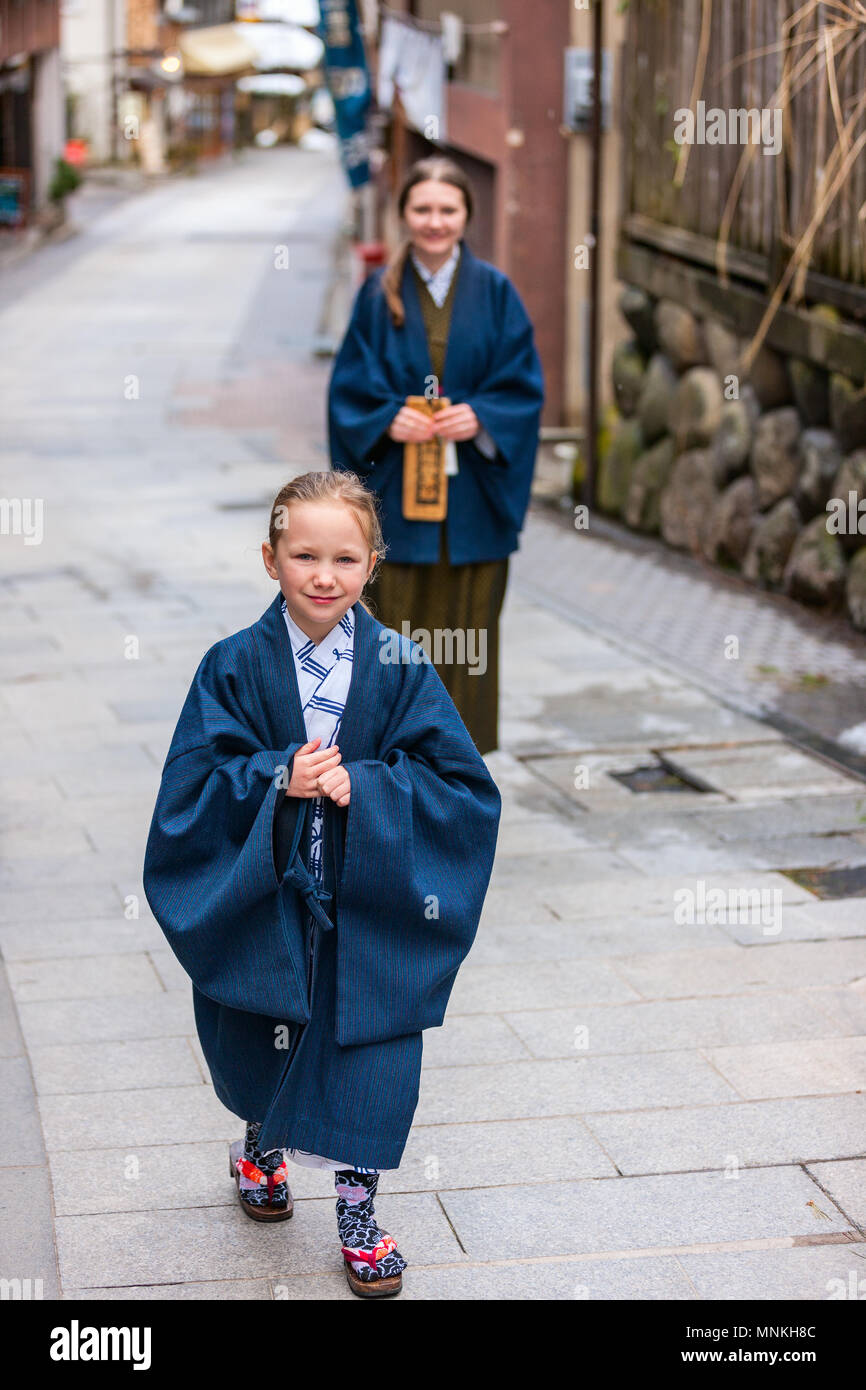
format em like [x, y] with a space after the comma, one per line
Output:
[458, 606]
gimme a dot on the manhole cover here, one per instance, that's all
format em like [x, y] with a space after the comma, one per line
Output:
[831, 883]
[655, 779]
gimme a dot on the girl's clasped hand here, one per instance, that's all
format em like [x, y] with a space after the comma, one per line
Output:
[316, 772]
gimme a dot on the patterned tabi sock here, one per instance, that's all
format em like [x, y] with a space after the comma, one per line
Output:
[361, 1238]
[256, 1193]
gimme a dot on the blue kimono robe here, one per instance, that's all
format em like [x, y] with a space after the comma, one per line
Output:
[310, 997]
[491, 363]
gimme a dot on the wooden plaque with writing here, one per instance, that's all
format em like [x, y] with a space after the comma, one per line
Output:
[425, 483]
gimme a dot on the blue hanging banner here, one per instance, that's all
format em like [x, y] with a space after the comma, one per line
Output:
[348, 82]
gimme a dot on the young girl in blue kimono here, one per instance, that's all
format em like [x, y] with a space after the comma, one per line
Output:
[318, 860]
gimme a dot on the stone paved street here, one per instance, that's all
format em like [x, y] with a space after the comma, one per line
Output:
[631, 1098]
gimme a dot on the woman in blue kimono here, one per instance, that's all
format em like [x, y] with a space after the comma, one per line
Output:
[318, 859]
[438, 321]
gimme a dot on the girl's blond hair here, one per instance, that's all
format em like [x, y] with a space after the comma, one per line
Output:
[340, 487]
[443, 170]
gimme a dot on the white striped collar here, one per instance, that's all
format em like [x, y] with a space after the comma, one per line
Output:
[340, 637]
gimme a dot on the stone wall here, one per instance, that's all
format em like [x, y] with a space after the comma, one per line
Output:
[761, 471]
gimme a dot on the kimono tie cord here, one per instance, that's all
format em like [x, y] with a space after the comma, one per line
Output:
[300, 877]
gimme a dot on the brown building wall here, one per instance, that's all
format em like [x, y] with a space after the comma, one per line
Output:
[142, 27]
[28, 28]
[535, 197]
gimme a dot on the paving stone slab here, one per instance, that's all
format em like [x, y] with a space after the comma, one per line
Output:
[494, 1153]
[147, 1178]
[79, 1068]
[32, 819]
[508, 943]
[657, 1213]
[81, 874]
[520, 1090]
[159, 1247]
[743, 970]
[647, 1277]
[554, 870]
[143, 712]
[120, 829]
[98, 769]
[846, 1183]
[50, 940]
[83, 977]
[169, 968]
[62, 902]
[751, 1133]
[507, 905]
[464, 1040]
[814, 1067]
[544, 835]
[627, 824]
[655, 896]
[31, 846]
[845, 1006]
[693, 859]
[20, 1129]
[535, 984]
[801, 851]
[789, 816]
[816, 1274]
[672, 717]
[11, 1038]
[110, 1019]
[661, 1025]
[63, 702]
[27, 1231]
[24, 798]
[818, 921]
[150, 1116]
[764, 772]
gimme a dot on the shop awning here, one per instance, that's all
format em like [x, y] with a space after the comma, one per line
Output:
[218, 51]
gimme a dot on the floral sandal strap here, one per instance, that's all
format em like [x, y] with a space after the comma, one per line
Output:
[252, 1176]
[371, 1257]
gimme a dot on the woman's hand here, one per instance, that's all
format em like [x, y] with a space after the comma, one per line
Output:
[336, 785]
[308, 765]
[410, 426]
[456, 422]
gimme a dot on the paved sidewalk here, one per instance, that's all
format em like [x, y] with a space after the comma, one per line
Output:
[625, 1102]
[802, 670]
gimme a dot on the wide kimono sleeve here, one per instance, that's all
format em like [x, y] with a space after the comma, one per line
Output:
[508, 405]
[210, 875]
[362, 402]
[419, 848]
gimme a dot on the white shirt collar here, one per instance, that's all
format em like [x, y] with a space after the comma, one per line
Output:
[341, 633]
[443, 275]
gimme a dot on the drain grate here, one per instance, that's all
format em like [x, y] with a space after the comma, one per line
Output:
[831, 883]
[655, 778]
